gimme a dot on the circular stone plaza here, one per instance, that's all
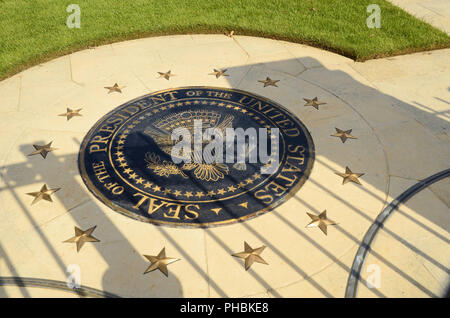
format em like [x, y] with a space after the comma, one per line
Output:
[352, 199]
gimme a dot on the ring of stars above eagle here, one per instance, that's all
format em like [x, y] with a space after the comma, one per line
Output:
[124, 156]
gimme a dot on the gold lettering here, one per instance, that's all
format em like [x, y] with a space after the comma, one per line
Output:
[173, 213]
[108, 129]
[152, 207]
[114, 120]
[144, 198]
[172, 95]
[263, 196]
[301, 160]
[131, 109]
[284, 123]
[100, 171]
[291, 181]
[295, 148]
[288, 167]
[219, 94]
[158, 98]
[100, 139]
[276, 188]
[188, 210]
[241, 101]
[292, 132]
[96, 148]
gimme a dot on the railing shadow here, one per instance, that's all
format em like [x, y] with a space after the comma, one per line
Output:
[12, 176]
[5, 258]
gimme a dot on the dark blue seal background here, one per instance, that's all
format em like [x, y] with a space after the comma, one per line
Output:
[125, 158]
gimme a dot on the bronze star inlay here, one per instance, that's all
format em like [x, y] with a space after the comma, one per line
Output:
[343, 134]
[269, 82]
[114, 88]
[219, 73]
[313, 102]
[71, 113]
[160, 262]
[251, 255]
[42, 150]
[216, 210]
[349, 176]
[43, 194]
[244, 205]
[82, 237]
[165, 75]
[320, 221]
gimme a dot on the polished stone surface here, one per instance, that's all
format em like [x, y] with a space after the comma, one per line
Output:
[397, 108]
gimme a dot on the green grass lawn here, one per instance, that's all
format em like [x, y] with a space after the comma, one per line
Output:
[35, 31]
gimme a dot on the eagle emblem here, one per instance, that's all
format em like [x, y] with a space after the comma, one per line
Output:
[205, 169]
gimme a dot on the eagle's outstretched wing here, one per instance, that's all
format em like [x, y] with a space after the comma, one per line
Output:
[226, 123]
[161, 138]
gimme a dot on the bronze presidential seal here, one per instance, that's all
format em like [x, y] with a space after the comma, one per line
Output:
[196, 156]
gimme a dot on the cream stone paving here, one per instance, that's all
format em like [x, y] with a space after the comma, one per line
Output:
[318, 285]
[399, 141]
[442, 191]
[404, 253]
[419, 83]
[11, 92]
[434, 12]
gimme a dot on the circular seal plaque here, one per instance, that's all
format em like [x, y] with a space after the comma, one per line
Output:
[132, 159]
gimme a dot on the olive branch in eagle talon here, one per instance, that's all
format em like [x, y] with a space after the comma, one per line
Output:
[202, 171]
[164, 168]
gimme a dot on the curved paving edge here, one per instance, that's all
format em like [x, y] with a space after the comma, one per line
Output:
[399, 128]
[83, 291]
[361, 254]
